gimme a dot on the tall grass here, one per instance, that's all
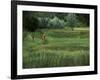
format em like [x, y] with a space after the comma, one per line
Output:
[56, 58]
[61, 48]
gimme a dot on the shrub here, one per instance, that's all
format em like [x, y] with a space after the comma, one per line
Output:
[71, 20]
[80, 24]
[43, 22]
[30, 23]
[56, 23]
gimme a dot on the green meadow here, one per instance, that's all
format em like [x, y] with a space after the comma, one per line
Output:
[62, 48]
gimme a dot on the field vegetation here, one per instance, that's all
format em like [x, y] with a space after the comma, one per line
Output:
[58, 41]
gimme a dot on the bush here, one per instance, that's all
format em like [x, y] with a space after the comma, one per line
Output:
[30, 23]
[56, 23]
[71, 20]
[80, 24]
[43, 22]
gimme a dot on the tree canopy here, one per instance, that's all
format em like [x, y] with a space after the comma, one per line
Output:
[33, 20]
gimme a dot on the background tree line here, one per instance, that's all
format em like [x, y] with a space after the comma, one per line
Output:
[33, 21]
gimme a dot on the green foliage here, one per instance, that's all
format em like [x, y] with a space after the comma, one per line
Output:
[61, 48]
[30, 23]
[84, 19]
[43, 22]
[56, 58]
[33, 21]
[56, 23]
[80, 24]
[71, 20]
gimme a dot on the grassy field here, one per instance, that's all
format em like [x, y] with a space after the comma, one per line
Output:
[61, 48]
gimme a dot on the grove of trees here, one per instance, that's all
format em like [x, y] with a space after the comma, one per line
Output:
[33, 21]
[37, 21]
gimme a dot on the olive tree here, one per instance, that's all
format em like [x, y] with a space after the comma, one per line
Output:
[71, 20]
[43, 22]
[56, 23]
